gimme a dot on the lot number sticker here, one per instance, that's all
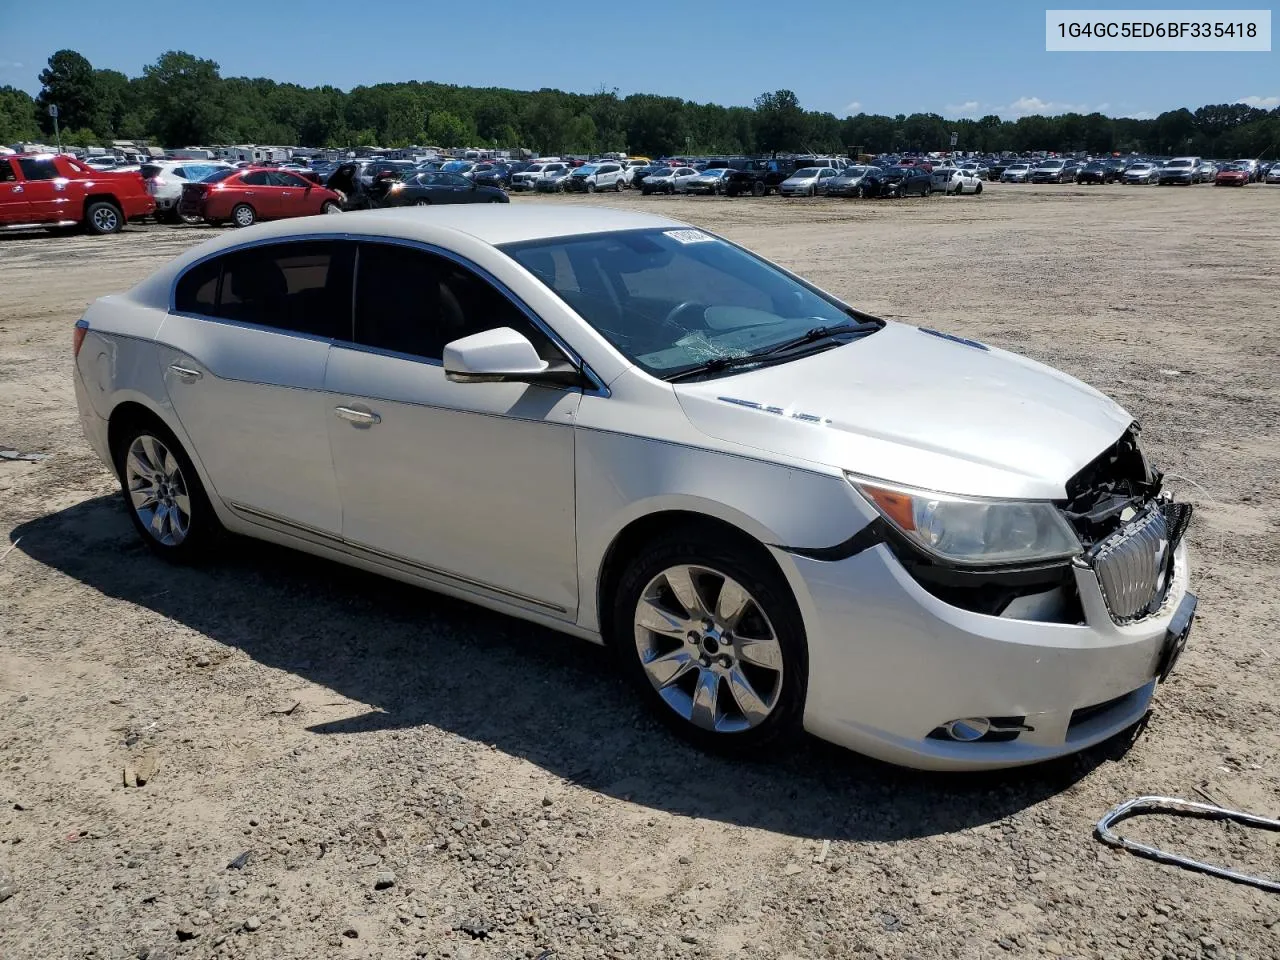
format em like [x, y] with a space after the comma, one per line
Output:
[689, 236]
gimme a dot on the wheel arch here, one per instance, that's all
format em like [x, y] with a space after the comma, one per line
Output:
[92, 198]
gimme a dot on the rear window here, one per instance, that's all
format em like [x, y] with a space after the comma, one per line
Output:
[37, 169]
[220, 175]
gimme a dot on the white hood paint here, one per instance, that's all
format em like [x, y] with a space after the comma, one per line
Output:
[916, 409]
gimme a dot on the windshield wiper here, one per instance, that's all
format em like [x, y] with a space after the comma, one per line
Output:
[716, 364]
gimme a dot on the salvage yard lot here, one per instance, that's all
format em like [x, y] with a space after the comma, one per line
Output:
[340, 726]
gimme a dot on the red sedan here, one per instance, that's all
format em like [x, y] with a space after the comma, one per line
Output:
[1236, 175]
[246, 196]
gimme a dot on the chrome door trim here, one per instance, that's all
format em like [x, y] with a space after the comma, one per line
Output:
[362, 551]
[599, 387]
[358, 417]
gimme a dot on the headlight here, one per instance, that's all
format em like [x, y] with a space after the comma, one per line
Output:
[968, 530]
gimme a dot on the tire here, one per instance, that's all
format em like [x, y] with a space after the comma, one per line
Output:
[591, 188]
[617, 186]
[769, 704]
[422, 202]
[329, 207]
[757, 189]
[149, 459]
[103, 217]
[928, 189]
[977, 190]
[243, 215]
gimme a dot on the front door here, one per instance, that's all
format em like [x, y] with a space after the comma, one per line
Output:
[243, 360]
[471, 484]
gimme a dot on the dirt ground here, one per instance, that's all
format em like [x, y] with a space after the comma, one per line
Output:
[337, 727]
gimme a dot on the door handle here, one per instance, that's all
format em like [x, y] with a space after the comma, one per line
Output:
[185, 373]
[359, 417]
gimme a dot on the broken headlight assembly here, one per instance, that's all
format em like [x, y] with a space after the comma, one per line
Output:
[972, 532]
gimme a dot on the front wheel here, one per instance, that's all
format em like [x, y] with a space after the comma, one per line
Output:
[757, 189]
[928, 189]
[163, 494]
[617, 186]
[591, 188]
[977, 190]
[711, 636]
[330, 208]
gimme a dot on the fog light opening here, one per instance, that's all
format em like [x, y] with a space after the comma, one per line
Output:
[968, 730]
[981, 729]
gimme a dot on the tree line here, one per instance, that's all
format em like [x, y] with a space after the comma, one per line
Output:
[182, 100]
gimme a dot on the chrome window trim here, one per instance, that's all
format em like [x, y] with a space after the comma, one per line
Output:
[599, 389]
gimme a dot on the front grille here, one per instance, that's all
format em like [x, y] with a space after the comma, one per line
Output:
[1134, 565]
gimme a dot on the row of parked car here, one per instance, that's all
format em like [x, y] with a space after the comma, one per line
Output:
[1176, 170]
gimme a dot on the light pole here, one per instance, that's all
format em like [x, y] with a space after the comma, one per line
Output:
[53, 112]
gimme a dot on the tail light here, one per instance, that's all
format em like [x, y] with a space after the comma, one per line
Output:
[77, 336]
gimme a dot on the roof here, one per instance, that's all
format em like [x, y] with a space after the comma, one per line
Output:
[493, 223]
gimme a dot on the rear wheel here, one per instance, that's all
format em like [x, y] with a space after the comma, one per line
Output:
[163, 494]
[103, 217]
[757, 189]
[711, 637]
[977, 190]
[617, 186]
[928, 189]
[244, 215]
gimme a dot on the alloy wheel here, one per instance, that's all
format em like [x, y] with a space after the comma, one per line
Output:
[157, 490]
[106, 220]
[708, 648]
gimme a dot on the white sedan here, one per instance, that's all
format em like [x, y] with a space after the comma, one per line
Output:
[953, 181]
[780, 512]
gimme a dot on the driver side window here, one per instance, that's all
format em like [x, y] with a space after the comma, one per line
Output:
[414, 302]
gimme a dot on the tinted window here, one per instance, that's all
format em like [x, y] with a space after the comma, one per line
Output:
[281, 179]
[38, 169]
[258, 178]
[221, 174]
[298, 287]
[6, 171]
[198, 289]
[415, 302]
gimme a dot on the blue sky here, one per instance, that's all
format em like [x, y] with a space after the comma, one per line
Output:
[956, 58]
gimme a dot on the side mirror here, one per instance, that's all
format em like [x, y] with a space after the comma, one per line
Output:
[505, 356]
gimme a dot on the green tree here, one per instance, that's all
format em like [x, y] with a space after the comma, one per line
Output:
[69, 83]
[546, 122]
[187, 97]
[17, 116]
[446, 130]
[780, 123]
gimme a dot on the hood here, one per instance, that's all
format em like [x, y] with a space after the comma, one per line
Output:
[916, 408]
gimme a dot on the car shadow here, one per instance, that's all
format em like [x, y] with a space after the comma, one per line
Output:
[418, 658]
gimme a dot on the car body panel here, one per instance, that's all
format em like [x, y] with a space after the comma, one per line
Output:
[513, 495]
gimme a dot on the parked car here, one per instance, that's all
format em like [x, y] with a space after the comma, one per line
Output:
[47, 190]
[1142, 172]
[164, 180]
[728, 495]
[956, 181]
[1054, 170]
[1097, 172]
[1016, 173]
[492, 175]
[903, 181]
[1273, 173]
[717, 180]
[595, 176]
[1253, 168]
[1232, 175]
[1184, 170]
[631, 167]
[388, 169]
[995, 169]
[807, 182]
[667, 180]
[554, 180]
[850, 182]
[244, 197]
[528, 178]
[437, 187]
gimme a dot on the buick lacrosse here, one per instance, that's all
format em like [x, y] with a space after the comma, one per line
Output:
[780, 512]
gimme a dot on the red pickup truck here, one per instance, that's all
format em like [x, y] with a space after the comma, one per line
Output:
[45, 190]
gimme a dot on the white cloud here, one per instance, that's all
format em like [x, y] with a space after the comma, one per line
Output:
[10, 65]
[1028, 105]
[1138, 115]
[1264, 102]
[967, 109]
[853, 106]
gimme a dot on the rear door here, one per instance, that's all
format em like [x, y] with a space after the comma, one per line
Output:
[46, 193]
[244, 359]
[260, 193]
[13, 194]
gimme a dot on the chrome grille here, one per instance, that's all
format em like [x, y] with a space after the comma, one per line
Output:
[1133, 565]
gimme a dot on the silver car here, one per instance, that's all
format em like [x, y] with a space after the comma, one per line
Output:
[781, 512]
[807, 182]
[1016, 173]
